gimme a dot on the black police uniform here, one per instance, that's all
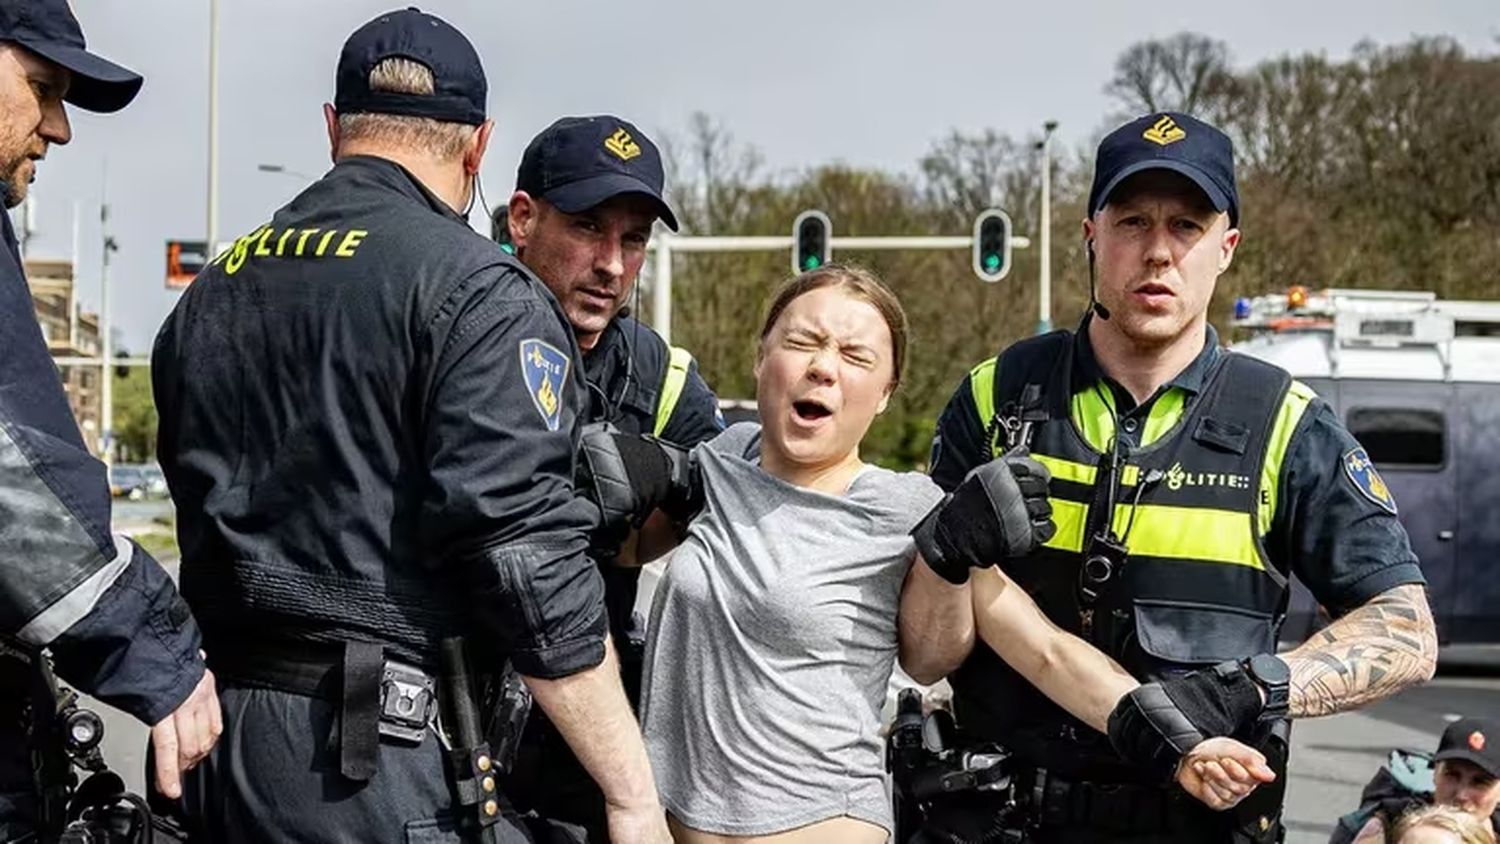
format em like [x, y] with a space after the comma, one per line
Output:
[108, 613]
[628, 376]
[1177, 606]
[368, 414]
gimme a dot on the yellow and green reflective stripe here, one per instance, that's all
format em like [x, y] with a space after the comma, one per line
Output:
[1190, 533]
[1298, 397]
[982, 388]
[1178, 533]
[1083, 473]
[678, 362]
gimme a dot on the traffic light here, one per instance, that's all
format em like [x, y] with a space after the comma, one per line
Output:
[811, 233]
[992, 245]
[500, 229]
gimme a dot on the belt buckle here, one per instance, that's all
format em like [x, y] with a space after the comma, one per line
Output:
[408, 702]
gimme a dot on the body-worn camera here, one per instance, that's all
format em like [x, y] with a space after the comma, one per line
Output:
[1104, 559]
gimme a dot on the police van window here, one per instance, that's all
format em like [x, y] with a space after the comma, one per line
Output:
[1395, 436]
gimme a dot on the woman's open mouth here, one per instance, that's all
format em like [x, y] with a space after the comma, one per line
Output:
[810, 411]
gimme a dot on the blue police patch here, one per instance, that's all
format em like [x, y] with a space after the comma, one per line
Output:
[1361, 472]
[545, 370]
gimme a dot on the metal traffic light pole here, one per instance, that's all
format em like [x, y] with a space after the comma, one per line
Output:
[664, 246]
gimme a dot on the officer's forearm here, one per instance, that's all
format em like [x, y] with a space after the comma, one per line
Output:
[1074, 674]
[935, 624]
[1379, 649]
[590, 710]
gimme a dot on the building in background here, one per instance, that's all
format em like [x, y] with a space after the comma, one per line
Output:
[70, 332]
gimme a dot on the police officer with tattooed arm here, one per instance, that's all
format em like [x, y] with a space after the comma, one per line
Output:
[1187, 485]
[368, 420]
[103, 609]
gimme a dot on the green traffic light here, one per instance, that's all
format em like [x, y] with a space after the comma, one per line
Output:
[991, 262]
[811, 262]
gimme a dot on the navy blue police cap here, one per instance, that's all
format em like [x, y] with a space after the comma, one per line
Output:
[49, 29]
[1168, 141]
[459, 88]
[579, 162]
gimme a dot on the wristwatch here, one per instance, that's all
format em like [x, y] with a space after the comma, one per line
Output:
[1275, 679]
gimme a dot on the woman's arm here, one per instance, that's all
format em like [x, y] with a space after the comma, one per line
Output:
[935, 624]
[1070, 671]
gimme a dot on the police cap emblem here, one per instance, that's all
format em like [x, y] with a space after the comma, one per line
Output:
[1361, 472]
[545, 369]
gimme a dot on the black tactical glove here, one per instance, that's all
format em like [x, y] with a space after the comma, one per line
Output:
[628, 476]
[998, 512]
[1157, 723]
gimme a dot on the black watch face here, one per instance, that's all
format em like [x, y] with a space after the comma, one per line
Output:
[1269, 669]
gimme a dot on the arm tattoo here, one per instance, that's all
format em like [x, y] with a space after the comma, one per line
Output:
[1373, 652]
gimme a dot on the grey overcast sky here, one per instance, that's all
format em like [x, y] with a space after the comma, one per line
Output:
[871, 83]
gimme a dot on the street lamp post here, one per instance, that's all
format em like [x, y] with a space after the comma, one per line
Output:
[1044, 292]
[212, 235]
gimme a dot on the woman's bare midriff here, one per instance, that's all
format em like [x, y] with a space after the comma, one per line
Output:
[840, 830]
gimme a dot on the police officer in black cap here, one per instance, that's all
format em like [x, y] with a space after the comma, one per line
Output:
[107, 612]
[368, 416]
[588, 192]
[1187, 485]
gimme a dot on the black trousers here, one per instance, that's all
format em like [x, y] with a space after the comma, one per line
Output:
[274, 777]
[19, 806]
[977, 819]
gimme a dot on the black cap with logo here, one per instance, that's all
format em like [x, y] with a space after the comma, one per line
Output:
[49, 29]
[579, 162]
[1168, 141]
[1475, 740]
[459, 91]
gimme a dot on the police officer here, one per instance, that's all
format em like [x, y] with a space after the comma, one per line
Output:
[109, 614]
[368, 416]
[588, 192]
[1187, 485]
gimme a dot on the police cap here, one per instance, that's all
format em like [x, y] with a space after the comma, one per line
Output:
[1168, 141]
[459, 90]
[579, 162]
[49, 29]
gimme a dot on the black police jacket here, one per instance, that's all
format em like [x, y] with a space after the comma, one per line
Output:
[368, 416]
[110, 615]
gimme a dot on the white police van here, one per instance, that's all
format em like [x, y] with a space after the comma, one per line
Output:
[1417, 380]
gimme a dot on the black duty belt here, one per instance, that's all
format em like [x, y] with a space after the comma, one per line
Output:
[376, 696]
[1125, 808]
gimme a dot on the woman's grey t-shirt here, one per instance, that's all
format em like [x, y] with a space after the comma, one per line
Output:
[772, 637]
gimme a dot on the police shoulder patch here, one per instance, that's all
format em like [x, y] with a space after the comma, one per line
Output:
[544, 368]
[1361, 472]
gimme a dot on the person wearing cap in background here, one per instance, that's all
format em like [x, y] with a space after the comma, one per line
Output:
[588, 191]
[1464, 773]
[368, 419]
[107, 612]
[1188, 485]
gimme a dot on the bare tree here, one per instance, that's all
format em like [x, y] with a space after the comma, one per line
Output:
[1179, 73]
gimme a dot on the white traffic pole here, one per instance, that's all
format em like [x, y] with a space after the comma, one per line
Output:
[1044, 287]
[212, 235]
[661, 289]
[106, 347]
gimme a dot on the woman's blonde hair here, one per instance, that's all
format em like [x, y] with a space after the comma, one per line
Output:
[1468, 828]
[862, 284]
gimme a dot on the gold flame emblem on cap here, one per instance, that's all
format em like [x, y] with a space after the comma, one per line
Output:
[1164, 131]
[622, 145]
